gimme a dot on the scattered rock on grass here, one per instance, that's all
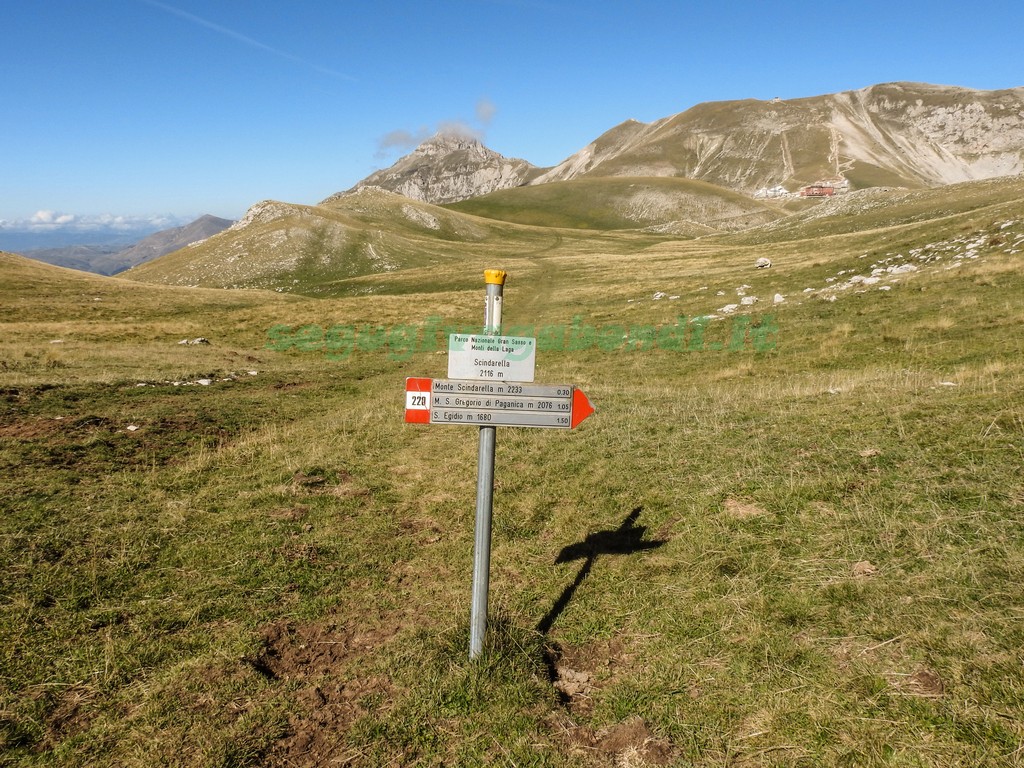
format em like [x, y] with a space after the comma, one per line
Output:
[203, 382]
[573, 683]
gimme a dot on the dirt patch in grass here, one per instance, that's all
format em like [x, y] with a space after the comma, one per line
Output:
[923, 682]
[320, 719]
[293, 514]
[424, 530]
[863, 569]
[91, 444]
[299, 551]
[29, 429]
[578, 673]
[629, 744]
[332, 693]
[742, 510]
[68, 714]
[318, 481]
[296, 651]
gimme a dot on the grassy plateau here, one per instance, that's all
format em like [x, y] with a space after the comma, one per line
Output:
[791, 535]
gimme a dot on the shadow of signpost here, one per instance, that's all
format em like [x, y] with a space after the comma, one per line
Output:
[624, 540]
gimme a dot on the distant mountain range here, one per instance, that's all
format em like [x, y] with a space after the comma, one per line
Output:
[110, 259]
[716, 168]
[897, 134]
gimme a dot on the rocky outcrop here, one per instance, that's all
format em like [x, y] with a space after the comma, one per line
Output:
[932, 135]
[266, 211]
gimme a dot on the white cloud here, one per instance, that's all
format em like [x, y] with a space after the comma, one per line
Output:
[52, 221]
[485, 111]
[404, 140]
[47, 219]
[461, 129]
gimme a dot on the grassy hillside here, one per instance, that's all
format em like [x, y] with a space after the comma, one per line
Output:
[341, 248]
[928, 210]
[681, 206]
[789, 536]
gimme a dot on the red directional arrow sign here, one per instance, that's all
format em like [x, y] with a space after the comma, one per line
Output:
[494, 404]
[581, 407]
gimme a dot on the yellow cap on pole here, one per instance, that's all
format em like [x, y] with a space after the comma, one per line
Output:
[495, 276]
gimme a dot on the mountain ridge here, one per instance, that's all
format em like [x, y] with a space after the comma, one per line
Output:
[694, 174]
[163, 242]
[111, 260]
[889, 134]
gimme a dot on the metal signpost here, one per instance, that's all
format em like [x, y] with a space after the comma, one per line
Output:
[488, 386]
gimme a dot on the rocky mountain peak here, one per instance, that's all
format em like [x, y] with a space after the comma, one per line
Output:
[447, 168]
[446, 143]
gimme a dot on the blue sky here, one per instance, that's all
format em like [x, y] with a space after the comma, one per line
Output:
[116, 112]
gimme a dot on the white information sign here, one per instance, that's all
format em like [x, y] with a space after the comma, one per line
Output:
[491, 358]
